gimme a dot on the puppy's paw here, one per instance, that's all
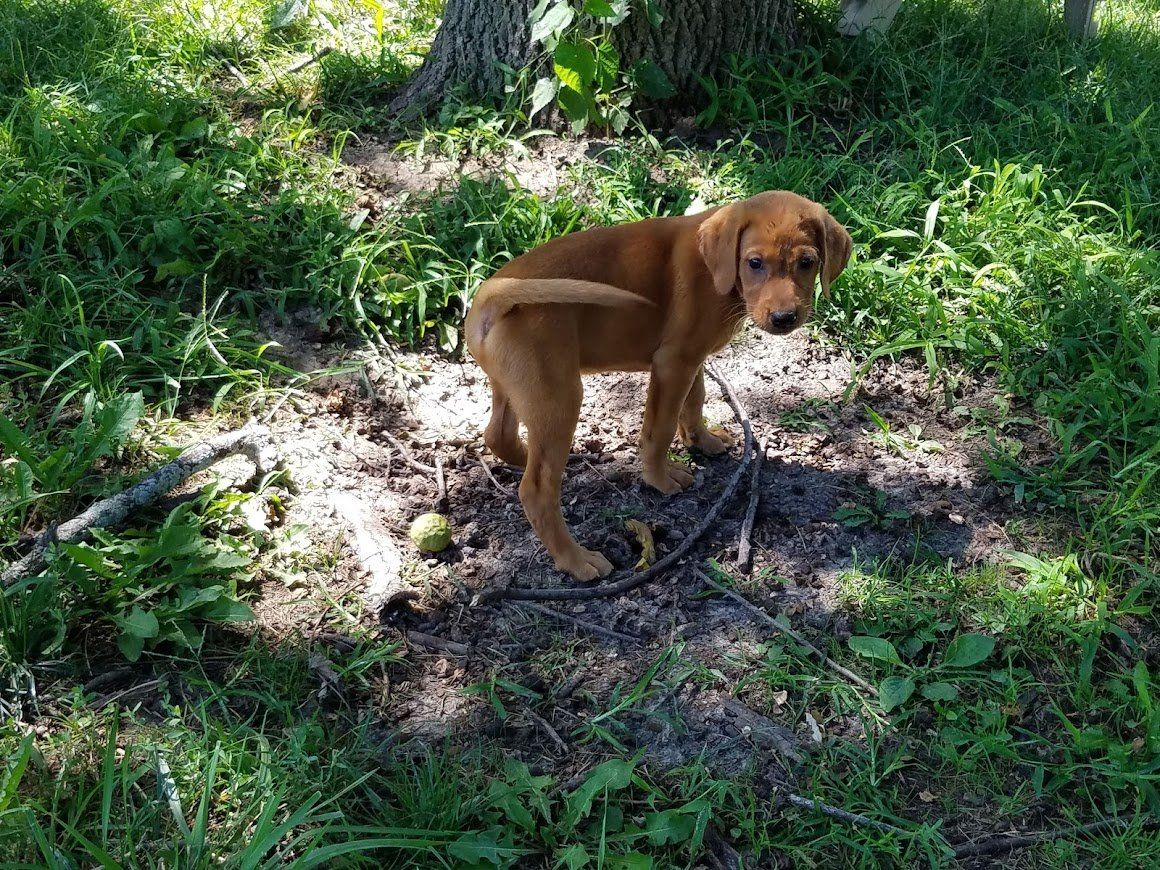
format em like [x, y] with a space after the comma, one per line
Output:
[708, 441]
[669, 478]
[584, 565]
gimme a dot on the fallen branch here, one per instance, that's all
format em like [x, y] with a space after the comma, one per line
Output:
[788, 632]
[253, 440]
[373, 548]
[589, 627]
[487, 470]
[548, 729]
[842, 815]
[1006, 843]
[305, 62]
[438, 644]
[236, 73]
[441, 484]
[606, 590]
[407, 457]
[745, 541]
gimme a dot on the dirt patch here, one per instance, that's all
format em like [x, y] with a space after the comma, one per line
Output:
[825, 456]
[385, 175]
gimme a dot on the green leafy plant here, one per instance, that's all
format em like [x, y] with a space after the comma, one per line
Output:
[103, 428]
[875, 513]
[588, 83]
[160, 587]
[899, 443]
[494, 687]
[936, 682]
[807, 416]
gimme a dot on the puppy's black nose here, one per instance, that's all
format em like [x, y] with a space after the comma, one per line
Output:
[782, 319]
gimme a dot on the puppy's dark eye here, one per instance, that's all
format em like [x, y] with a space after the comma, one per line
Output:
[806, 262]
[755, 263]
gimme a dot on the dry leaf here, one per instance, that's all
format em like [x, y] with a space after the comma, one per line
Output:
[779, 698]
[722, 433]
[815, 731]
[793, 608]
[926, 797]
[644, 537]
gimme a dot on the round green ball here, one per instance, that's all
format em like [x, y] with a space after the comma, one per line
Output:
[431, 533]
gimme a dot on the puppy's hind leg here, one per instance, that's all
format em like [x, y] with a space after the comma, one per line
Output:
[550, 431]
[502, 435]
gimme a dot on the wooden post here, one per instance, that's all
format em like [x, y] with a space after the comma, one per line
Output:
[1080, 17]
[861, 15]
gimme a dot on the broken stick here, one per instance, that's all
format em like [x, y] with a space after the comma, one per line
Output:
[745, 542]
[1010, 842]
[605, 590]
[406, 455]
[307, 61]
[583, 625]
[253, 440]
[487, 470]
[441, 485]
[846, 816]
[788, 632]
[438, 644]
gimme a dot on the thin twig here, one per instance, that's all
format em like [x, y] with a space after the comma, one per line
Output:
[407, 457]
[487, 470]
[842, 815]
[252, 439]
[1007, 843]
[441, 483]
[551, 732]
[130, 691]
[745, 541]
[305, 62]
[589, 627]
[570, 685]
[106, 678]
[236, 73]
[788, 632]
[607, 590]
[438, 644]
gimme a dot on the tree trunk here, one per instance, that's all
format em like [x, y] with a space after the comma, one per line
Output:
[478, 36]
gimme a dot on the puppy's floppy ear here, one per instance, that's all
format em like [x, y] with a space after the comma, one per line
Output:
[718, 238]
[836, 246]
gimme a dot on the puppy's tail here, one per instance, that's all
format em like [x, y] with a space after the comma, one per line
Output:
[497, 296]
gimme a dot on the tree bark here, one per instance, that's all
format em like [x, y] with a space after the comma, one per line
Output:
[478, 36]
[475, 38]
[697, 35]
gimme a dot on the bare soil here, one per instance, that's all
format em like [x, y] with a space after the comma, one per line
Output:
[823, 455]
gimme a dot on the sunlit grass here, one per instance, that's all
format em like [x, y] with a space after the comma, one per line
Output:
[164, 183]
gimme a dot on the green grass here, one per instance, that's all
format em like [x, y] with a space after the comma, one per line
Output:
[1000, 184]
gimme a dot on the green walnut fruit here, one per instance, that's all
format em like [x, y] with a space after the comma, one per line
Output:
[431, 533]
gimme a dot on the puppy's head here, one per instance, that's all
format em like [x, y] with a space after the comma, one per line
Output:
[771, 249]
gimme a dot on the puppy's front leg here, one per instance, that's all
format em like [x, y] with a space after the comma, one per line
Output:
[669, 383]
[692, 430]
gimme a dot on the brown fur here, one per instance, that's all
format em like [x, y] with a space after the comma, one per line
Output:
[658, 295]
